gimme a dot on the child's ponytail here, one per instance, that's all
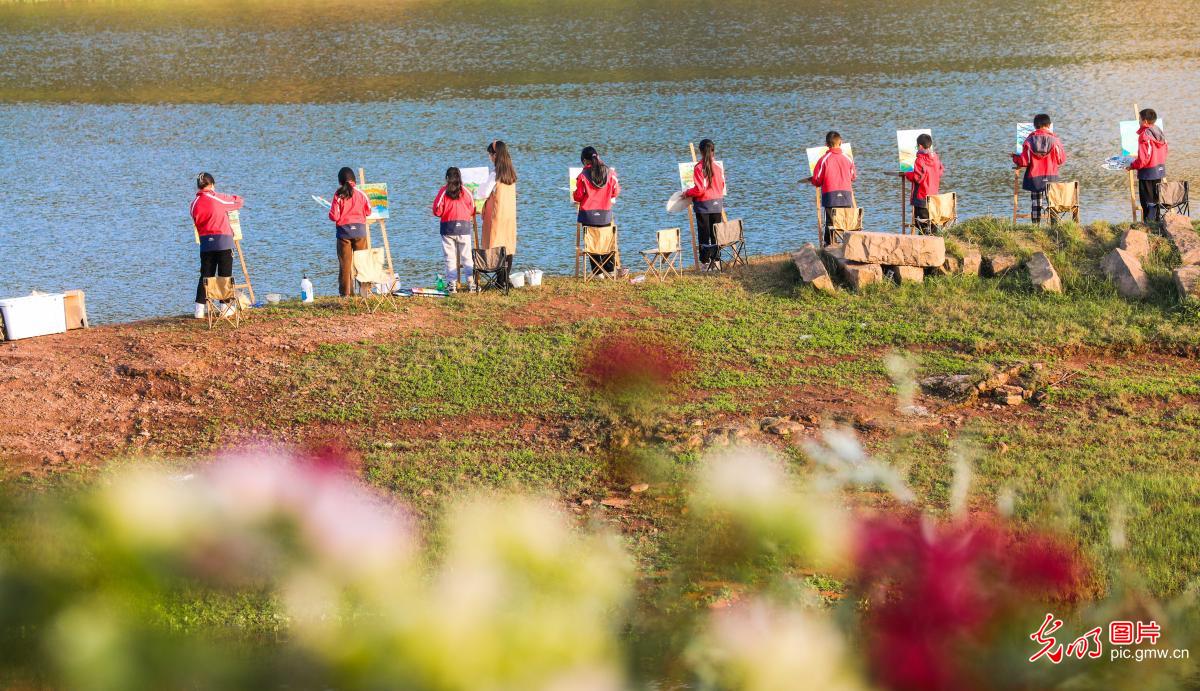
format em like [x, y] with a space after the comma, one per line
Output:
[708, 152]
[346, 183]
[454, 184]
[597, 172]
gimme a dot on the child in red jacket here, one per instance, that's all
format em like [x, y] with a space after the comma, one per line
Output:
[835, 175]
[596, 189]
[708, 200]
[1150, 164]
[455, 208]
[926, 177]
[349, 212]
[1041, 155]
[210, 216]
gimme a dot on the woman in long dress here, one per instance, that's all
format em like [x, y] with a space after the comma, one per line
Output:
[500, 205]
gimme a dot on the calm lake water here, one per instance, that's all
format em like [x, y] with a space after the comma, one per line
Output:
[108, 110]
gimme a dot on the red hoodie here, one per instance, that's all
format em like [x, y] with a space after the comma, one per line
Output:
[210, 212]
[456, 214]
[1151, 161]
[835, 175]
[593, 198]
[707, 194]
[926, 175]
[344, 212]
[1041, 155]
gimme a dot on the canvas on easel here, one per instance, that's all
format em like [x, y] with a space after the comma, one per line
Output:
[473, 179]
[814, 154]
[1023, 130]
[377, 195]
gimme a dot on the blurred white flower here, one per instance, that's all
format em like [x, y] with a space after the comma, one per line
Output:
[760, 499]
[758, 646]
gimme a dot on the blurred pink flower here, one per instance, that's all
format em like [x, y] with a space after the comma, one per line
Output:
[937, 591]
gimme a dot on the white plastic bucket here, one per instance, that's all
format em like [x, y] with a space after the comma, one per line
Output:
[534, 276]
[34, 315]
[517, 279]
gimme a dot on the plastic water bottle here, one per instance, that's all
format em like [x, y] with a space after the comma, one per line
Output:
[306, 289]
[441, 283]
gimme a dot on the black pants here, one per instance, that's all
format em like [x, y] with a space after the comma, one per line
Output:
[218, 263]
[706, 235]
[921, 215]
[1148, 195]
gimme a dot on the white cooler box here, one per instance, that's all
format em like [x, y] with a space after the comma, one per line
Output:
[34, 315]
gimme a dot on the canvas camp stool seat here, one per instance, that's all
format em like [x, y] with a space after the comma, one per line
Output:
[601, 248]
[491, 268]
[221, 301]
[1062, 198]
[843, 220]
[1173, 196]
[943, 211]
[666, 259]
[727, 236]
[370, 271]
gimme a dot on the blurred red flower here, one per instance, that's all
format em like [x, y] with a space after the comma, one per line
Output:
[937, 591]
[621, 365]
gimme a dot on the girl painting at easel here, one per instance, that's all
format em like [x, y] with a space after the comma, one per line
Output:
[210, 216]
[708, 199]
[349, 212]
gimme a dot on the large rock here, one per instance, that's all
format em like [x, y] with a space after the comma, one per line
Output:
[1042, 273]
[1136, 242]
[1125, 271]
[1178, 229]
[907, 274]
[856, 274]
[1187, 280]
[812, 269]
[895, 249]
[971, 262]
[999, 264]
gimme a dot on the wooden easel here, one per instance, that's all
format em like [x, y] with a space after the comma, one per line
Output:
[1016, 215]
[1134, 207]
[237, 245]
[691, 215]
[907, 222]
[387, 250]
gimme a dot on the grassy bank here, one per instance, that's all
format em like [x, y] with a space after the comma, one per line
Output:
[483, 392]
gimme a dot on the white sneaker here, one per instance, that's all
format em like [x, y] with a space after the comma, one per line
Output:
[200, 314]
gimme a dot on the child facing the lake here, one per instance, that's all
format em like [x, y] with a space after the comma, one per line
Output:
[1041, 155]
[455, 207]
[1150, 164]
[926, 177]
[596, 189]
[349, 211]
[708, 199]
[210, 217]
[835, 175]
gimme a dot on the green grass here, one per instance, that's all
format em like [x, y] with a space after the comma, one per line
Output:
[465, 400]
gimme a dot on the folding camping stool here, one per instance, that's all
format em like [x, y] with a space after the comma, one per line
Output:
[370, 272]
[491, 268]
[843, 220]
[666, 259]
[1062, 198]
[221, 301]
[1173, 196]
[730, 236]
[600, 247]
[943, 211]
